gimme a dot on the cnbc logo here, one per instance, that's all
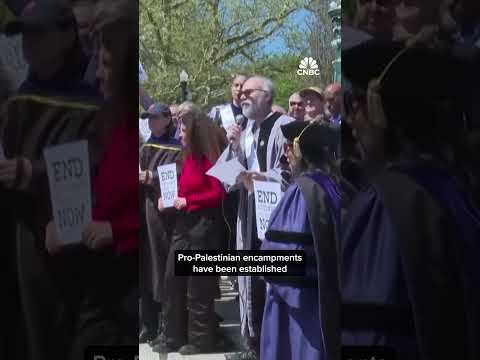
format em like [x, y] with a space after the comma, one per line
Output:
[308, 66]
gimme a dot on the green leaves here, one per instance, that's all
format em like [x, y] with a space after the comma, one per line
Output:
[211, 39]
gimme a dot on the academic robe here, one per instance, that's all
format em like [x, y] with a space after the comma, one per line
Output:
[156, 227]
[226, 114]
[410, 279]
[301, 318]
[270, 165]
[31, 123]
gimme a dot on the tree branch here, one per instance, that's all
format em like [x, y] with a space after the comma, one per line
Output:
[156, 27]
[247, 56]
[146, 51]
[178, 4]
[262, 26]
[229, 54]
[236, 23]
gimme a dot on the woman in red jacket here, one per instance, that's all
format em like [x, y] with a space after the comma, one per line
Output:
[191, 322]
[99, 278]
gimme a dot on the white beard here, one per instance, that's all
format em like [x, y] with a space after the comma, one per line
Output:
[250, 111]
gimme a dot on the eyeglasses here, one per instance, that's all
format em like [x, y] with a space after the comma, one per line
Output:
[293, 103]
[248, 92]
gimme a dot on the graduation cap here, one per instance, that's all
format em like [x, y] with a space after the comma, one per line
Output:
[310, 139]
[402, 80]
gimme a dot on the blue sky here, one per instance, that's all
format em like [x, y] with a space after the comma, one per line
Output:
[276, 45]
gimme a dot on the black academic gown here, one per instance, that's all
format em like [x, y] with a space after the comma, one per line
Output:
[157, 227]
[409, 274]
[41, 326]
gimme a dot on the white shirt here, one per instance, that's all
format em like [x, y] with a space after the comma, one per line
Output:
[250, 146]
[251, 143]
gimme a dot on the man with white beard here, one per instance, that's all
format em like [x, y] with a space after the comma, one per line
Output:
[259, 148]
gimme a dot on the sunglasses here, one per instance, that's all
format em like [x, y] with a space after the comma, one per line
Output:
[249, 92]
[293, 103]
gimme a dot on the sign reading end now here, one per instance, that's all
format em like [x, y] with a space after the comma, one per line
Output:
[69, 181]
[167, 175]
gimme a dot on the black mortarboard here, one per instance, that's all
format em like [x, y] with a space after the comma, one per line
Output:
[413, 83]
[418, 73]
[314, 139]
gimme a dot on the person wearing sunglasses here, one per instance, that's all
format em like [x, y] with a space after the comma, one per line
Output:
[262, 135]
[296, 107]
[259, 148]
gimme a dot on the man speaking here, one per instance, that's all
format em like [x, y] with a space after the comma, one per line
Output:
[259, 148]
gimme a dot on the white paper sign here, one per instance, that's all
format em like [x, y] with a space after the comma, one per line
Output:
[226, 171]
[2, 153]
[267, 197]
[142, 75]
[227, 116]
[69, 179]
[144, 129]
[167, 175]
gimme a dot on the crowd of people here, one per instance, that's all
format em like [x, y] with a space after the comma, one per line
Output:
[379, 177]
[388, 220]
[177, 313]
[63, 297]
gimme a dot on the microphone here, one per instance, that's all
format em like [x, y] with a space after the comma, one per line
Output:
[240, 120]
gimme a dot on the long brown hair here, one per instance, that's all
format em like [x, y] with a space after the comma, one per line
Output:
[116, 29]
[203, 137]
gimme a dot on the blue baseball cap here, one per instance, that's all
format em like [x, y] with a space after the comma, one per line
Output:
[155, 110]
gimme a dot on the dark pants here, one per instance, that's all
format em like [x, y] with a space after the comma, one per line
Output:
[257, 306]
[230, 211]
[189, 308]
[101, 292]
[150, 314]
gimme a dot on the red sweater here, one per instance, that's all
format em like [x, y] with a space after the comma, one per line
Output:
[116, 188]
[200, 190]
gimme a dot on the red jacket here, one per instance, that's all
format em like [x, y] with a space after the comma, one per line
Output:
[116, 188]
[200, 190]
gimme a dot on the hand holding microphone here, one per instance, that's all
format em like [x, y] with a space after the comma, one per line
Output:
[234, 132]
